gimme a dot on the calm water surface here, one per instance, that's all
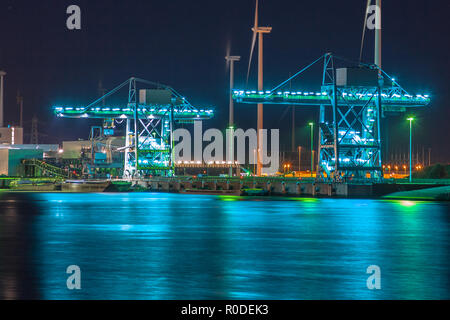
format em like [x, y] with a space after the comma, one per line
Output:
[172, 246]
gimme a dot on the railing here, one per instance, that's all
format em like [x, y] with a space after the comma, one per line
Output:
[45, 167]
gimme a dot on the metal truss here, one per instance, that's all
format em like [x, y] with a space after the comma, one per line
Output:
[149, 141]
[349, 134]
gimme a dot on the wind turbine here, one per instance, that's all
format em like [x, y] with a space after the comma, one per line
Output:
[230, 63]
[257, 30]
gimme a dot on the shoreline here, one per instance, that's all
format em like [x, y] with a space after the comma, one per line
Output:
[441, 193]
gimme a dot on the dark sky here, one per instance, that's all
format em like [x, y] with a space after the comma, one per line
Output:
[183, 43]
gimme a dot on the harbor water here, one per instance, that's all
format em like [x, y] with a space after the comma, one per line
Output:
[181, 246]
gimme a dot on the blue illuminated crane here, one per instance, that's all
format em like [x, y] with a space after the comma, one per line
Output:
[150, 115]
[352, 101]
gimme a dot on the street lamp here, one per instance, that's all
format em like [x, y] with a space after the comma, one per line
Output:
[299, 158]
[411, 119]
[254, 161]
[312, 147]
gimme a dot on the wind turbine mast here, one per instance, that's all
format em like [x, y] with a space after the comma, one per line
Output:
[2, 76]
[378, 36]
[259, 31]
[230, 61]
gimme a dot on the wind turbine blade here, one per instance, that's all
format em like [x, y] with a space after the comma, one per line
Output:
[255, 26]
[364, 30]
[251, 54]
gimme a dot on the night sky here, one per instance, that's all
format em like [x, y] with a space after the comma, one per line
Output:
[183, 44]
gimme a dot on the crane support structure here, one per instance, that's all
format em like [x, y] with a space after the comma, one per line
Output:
[351, 103]
[150, 115]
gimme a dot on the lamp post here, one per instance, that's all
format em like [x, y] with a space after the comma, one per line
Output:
[411, 119]
[299, 158]
[312, 147]
[254, 162]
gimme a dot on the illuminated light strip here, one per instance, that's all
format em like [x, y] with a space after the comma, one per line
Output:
[128, 113]
[287, 96]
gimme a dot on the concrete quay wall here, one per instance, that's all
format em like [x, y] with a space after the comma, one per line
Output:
[288, 187]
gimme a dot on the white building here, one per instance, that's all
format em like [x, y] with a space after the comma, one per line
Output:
[11, 135]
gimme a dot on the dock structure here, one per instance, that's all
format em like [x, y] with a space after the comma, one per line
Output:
[282, 186]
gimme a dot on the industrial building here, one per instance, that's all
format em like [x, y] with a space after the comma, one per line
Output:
[11, 135]
[13, 156]
[11, 159]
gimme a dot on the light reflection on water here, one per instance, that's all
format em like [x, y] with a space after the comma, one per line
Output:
[171, 246]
